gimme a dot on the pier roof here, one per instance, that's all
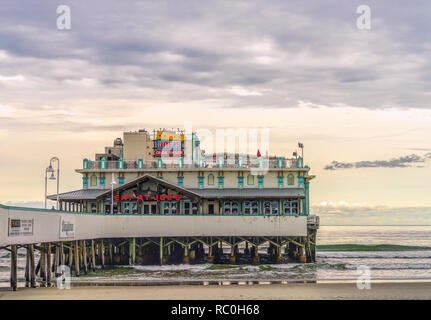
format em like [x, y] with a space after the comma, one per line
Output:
[82, 194]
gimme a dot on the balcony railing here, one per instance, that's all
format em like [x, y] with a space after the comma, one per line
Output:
[178, 163]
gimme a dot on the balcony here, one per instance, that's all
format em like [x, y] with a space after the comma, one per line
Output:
[179, 163]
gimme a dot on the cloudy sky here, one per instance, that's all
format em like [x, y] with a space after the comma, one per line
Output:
[359, 100]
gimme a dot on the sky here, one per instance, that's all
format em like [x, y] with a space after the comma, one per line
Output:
[359, 99]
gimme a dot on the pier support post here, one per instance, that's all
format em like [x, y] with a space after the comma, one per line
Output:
[27, 267]
[256, 254]
[32, 267]
[42, 262]
[132, 251]
[280, 258]
[110, 252]
[93, 256]
[161, 260]
[61, 254]
[48, 265]
[76, 258]
[232, 258]
[210, 254]
[84, 256]
[186, 254]
[302, 257]
[102, 254]
[13, 268]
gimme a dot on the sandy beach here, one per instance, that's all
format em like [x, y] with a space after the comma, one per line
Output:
[393, 290]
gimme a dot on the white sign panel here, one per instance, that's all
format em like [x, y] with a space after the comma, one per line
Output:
[20, 227]
[67, 226]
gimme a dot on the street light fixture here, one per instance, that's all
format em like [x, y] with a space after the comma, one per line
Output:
[52, 177]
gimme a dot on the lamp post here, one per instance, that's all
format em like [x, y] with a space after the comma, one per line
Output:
[50, 169]
[112, 193]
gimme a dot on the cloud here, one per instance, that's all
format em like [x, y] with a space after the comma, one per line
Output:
[241, 54]
[400, 162]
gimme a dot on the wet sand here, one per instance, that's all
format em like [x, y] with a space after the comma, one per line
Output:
[394, 290]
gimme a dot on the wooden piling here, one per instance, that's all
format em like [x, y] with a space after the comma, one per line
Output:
[102, 254]
[27, 267]
[76, 252]
[42, 262]
[13, 268]
[93, 257]
[111, 258]
[84, 256]
[32, 267]
[48, 265]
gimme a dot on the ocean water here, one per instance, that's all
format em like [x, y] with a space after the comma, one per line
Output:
[335, 262]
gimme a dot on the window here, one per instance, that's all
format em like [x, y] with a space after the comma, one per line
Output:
[190, 207]
[180, 181]
[149, 209]
[290, 179]
[250, 179]
[290, 207]
[93, 180]
[102, 182]
[93, 207]
[130, 207]
[280, 181]
[220, 182]
[169, 207]
[260, 181]
[301, 182]
[211, 179]
[240, 182]
[271, 207]
[251, 207]
[200, 182]
[231, 207]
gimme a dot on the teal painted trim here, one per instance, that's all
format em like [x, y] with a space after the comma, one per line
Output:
[159, 163]
[260, 162]
[240, 182]
[180, 163]
[201, 163]
[84, 183]
[180, 181]
[220, 182]
[220, 162]
[121, 181]
[121, 164]
[280, 181]
[260, 181]
[85, 164]
[102, 182]
[300, 162]
[200, 182]
[280, 162]
[301, 182]
[103, 162]
[140, 163]
[240, 162]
